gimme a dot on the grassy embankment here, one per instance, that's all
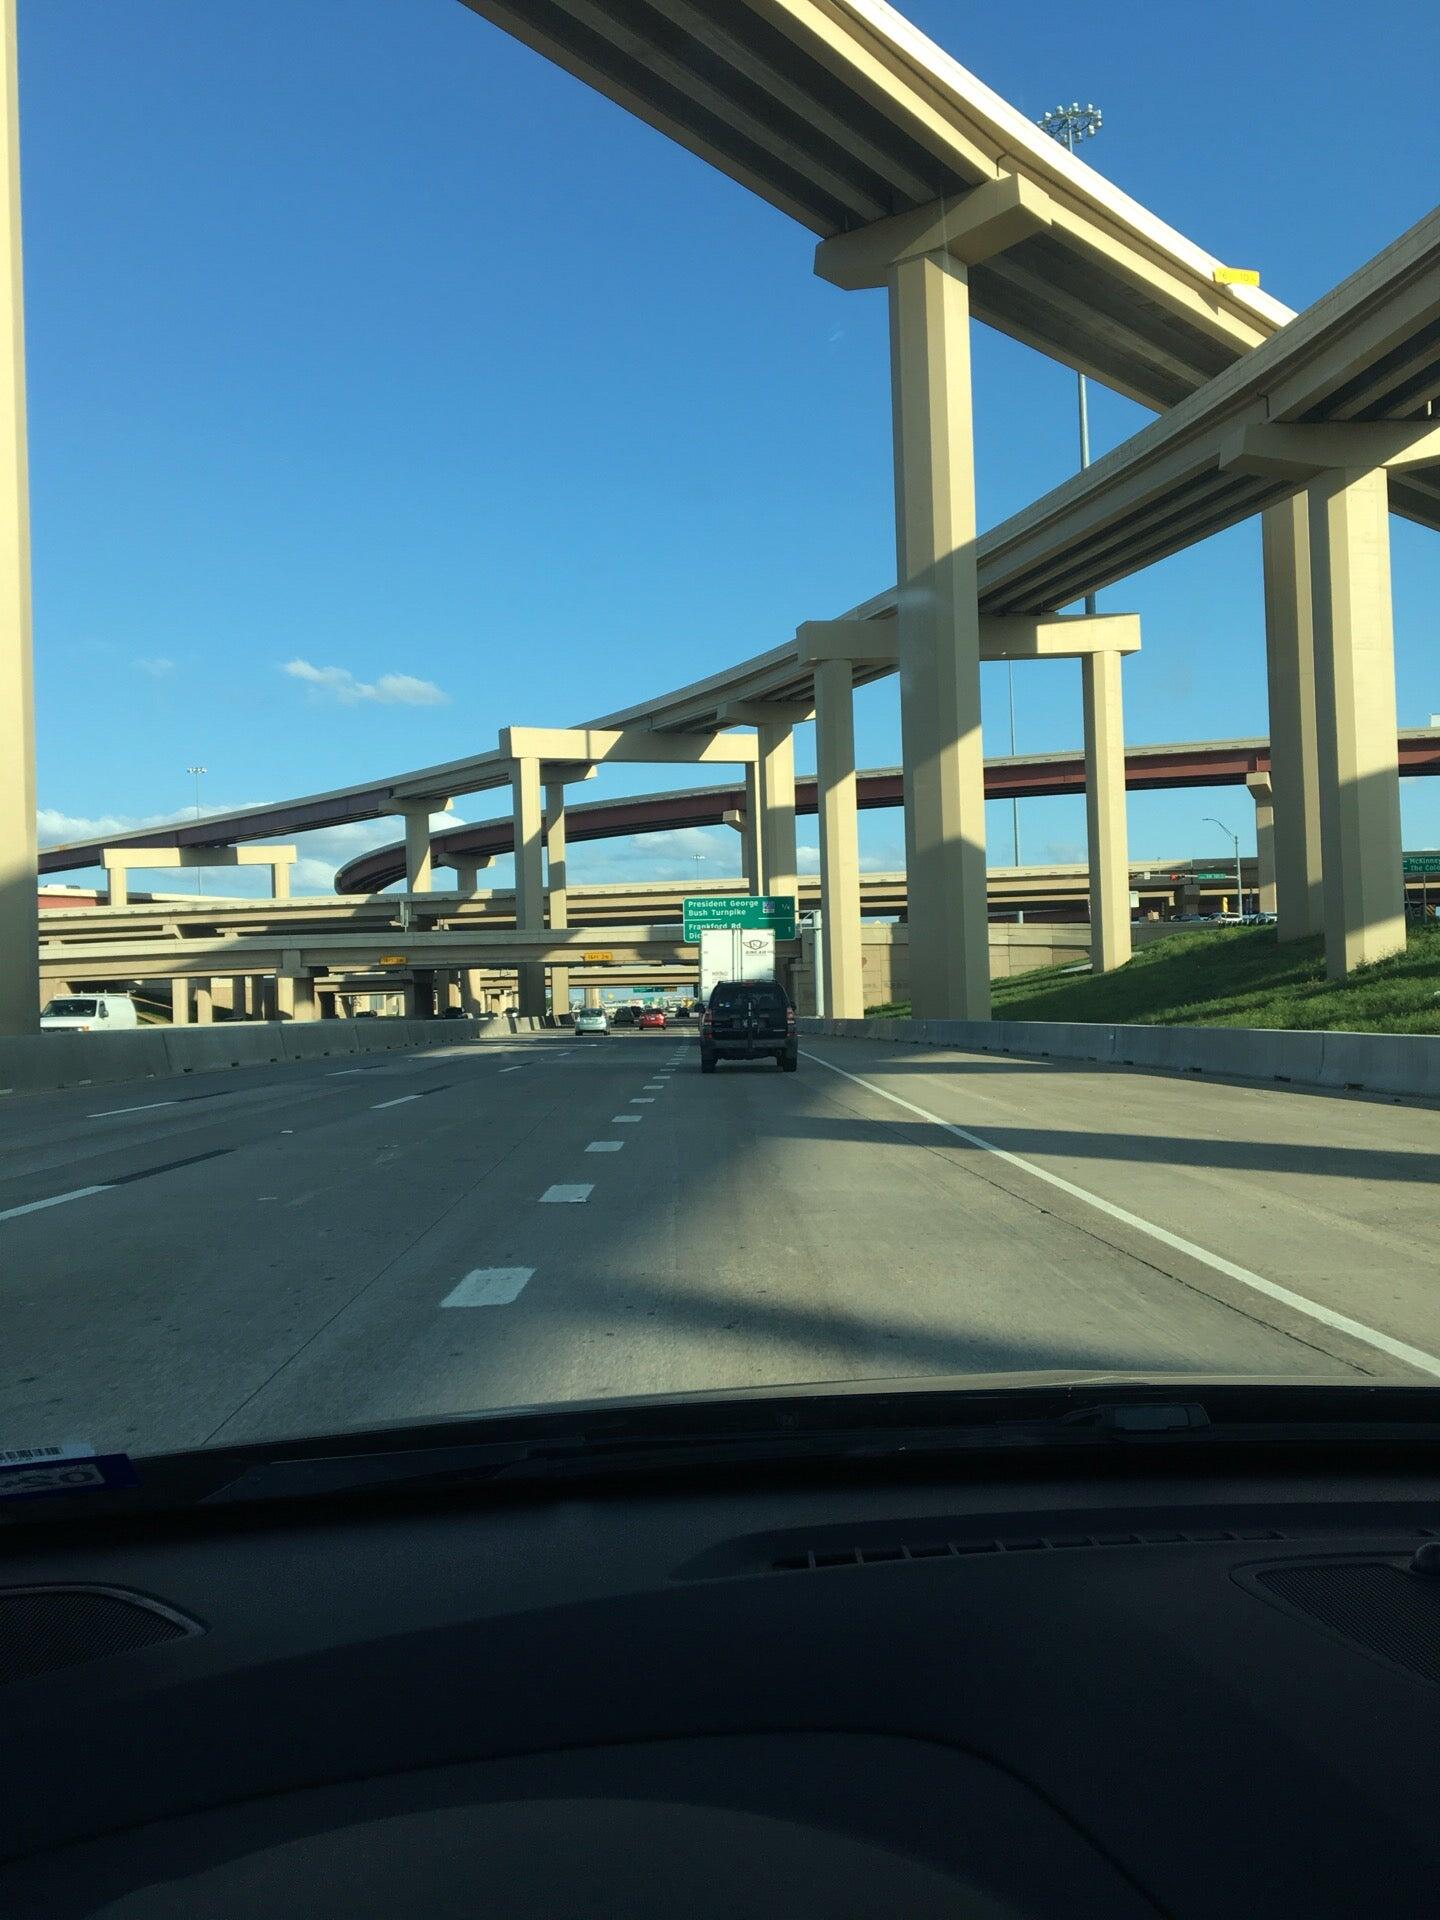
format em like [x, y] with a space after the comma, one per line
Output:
[1235, 977]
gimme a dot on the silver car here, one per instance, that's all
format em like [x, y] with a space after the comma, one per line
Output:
[591, 1020]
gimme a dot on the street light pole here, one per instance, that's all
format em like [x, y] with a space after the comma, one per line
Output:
[199, 871]
[1234, 839]
[1070, 125]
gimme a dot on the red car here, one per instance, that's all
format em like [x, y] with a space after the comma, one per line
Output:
[651, 1017]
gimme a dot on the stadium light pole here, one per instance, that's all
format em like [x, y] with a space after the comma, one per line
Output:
[1070, 125]
[199, 871]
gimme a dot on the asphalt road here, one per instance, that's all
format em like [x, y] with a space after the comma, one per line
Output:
[299, 1248]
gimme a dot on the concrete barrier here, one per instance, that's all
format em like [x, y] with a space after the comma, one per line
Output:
[36, 1062]
[1391, 1063]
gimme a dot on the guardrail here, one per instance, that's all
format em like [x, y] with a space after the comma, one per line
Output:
[1404, 1064]
[35, 1062]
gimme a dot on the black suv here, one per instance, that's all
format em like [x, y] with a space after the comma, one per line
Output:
[745, 1019]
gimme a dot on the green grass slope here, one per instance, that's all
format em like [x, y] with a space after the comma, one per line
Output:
[1236, 977]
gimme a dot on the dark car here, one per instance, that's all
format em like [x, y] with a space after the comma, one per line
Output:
[623, 1017]
[748, 1020]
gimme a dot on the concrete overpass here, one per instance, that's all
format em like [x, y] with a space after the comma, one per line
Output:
[920, 181]
[1148, 769]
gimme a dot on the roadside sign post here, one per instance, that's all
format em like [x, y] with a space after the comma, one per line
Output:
[1423, 865]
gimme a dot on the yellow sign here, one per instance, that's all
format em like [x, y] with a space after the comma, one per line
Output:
[1236, 277]
[393, 960]
[594, 958]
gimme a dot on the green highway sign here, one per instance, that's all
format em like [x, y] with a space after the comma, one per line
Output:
[1420, 863]
[1214, 876]
[775, 911]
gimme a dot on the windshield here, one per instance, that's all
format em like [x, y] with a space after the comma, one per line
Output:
[687, 731]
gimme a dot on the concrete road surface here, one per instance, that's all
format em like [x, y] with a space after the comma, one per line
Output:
[299, 1248]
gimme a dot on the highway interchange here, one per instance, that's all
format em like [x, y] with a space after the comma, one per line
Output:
[306, 1247]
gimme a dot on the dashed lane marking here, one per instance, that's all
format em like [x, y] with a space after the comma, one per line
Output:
[489, 1287]
[567, 1195]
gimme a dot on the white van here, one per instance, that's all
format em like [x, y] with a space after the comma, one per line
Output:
[89, 1013]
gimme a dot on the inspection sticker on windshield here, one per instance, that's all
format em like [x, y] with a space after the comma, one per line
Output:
[73, 1467]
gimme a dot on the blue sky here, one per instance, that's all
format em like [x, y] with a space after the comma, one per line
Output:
[387, 386]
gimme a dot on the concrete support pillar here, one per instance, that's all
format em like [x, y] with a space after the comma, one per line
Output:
[939, 638]
[1263, 794]
[555, 894]
[529, 876]
[777, 803]
[1355, 718]
[592, 996]
[467, 873]
[1105, 825]
[264, 1000]
[202, 1002]
[472, 990]
[19, 912]
[1294, 752]
[304, 1001]
[117, 886]
[280, 880]
[284, 985]
[840, 947]
[441, 979]
[417, 848]
[179, 1003]
[240, 996]
[752, 848]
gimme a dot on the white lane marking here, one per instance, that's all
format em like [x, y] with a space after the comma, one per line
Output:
[512, 1069]
[572, 1195]
[489, 1287]
[342, 1073]
[55, 1200]
[604, 1146]
[380, 1105]
[642, 1100]
[109, 1113]
[1272, 1290]
[626, 1119]
[654, 1086]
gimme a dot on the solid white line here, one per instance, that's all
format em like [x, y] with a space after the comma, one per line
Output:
[55, 1200]
[109, 1113]
[489, 1287]
[512, 1069]
[1341, 1322]
[379, 1104]
[604, 1146]
[572, 1195]
[342, 1073]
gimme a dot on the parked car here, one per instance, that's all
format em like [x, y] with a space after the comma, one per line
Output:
[454, 1013]
[651, 1017]
[749, 1020]
[89, 1013]
[591, 1020]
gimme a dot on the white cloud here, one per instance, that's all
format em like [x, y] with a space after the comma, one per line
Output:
[389, 690]
[55, 828]
[807, 859]
[157, 666]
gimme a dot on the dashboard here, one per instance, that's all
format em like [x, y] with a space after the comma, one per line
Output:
[989, 1695]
